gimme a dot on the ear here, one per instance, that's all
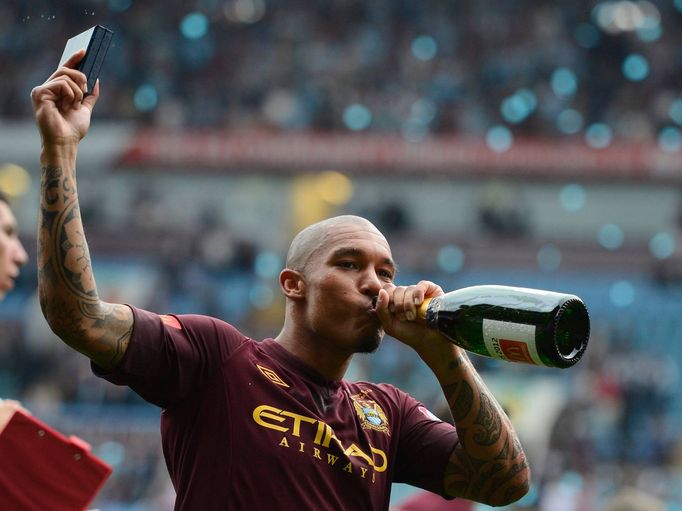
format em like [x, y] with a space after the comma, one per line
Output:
[292, 284]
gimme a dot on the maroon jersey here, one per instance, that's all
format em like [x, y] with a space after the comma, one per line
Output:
[246, 425]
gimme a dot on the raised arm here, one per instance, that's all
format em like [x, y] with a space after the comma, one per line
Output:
[489, 464]
[66, 283]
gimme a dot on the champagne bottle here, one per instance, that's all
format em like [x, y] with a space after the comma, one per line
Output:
[511, 323]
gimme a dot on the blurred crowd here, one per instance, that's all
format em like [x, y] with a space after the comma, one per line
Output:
[609, 423]
[415, 67]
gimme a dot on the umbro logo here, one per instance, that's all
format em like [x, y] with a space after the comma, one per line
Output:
[272, 375]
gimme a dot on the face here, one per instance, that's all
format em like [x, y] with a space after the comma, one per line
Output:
[12, 253]
[342, 278]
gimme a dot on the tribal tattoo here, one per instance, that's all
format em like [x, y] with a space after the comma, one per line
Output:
[489, 464]
[67, 289]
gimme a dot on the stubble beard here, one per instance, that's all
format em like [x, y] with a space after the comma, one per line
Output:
[370, 343]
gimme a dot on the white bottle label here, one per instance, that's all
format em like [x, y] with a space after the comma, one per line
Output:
[514, 342]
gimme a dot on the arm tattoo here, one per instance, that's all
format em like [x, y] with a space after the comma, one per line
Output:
[68, 293]
[488, 465]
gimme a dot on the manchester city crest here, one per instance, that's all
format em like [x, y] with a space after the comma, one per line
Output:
[370, 413]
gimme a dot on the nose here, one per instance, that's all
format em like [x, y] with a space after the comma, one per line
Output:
[20, 254]
[371, 284]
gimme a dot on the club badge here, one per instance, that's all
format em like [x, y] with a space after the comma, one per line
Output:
[370, 413]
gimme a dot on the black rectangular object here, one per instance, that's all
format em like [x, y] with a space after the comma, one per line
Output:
[95, 41]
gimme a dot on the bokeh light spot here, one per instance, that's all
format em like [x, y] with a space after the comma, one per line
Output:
[662, 245]
[334, 187]
[424, 47]
[111, 452]
[611, 236]
[146, 98]
[267, 265]
[15, 180]
[244, 11]
[357, 117]
[598, 135]
[573, 197]
[194, 25]
[670, 139]
[622, 293]
[650, 33]
[423, 110]
[635, 67]
[564, 82]
[569, 121]
[450, 258]
[499, 139]
[519, 106]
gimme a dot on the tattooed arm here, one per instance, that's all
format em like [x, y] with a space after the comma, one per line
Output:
[66, 284]
[488, 464]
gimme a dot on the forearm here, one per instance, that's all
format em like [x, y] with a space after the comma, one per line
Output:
[489, 464]
[67, 289]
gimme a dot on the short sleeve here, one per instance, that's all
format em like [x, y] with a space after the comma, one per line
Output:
[170, 356]
[425, 446]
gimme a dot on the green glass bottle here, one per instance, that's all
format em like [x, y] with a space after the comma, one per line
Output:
[511, 323]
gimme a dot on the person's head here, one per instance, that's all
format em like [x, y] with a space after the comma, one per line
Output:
[12, 253]
[334, 270]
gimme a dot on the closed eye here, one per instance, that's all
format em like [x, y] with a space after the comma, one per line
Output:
[348, 264]
[386, 274]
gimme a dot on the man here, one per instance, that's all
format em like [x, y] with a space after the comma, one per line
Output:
[12, 258]
[272, 424]
[12, 253]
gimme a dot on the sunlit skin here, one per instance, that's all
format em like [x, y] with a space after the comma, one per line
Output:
[12, 253]
[331, 312]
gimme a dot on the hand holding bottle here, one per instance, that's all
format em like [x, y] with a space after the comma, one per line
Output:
[397, 308]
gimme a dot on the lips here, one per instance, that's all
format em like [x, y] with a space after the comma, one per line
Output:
[373, 316]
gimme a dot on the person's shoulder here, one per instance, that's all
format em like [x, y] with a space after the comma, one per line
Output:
[198, 323]
[192, 325]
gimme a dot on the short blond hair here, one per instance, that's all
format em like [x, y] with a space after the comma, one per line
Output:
[311, 239]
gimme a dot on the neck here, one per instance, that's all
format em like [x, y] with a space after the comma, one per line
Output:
[315, 352]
